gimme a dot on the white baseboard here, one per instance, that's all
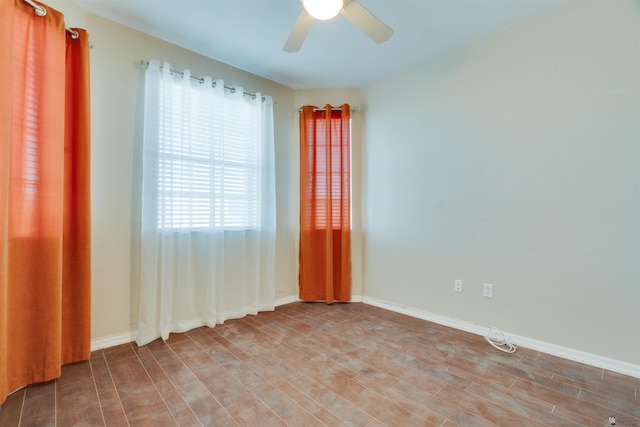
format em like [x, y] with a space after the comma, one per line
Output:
[286, 300]
[113, 340]
[533, 344]
[293, 298]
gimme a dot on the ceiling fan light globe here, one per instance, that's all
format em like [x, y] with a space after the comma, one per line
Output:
[323, 9]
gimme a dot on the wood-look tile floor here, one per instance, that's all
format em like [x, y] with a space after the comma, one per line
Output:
[319, 365]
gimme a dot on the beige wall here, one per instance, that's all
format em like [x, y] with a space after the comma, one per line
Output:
[515, 161]
[115, 75]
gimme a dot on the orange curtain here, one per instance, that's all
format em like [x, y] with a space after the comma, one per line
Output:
[325, 204]
[44, 196]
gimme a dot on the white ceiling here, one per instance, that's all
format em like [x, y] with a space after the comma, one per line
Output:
[250, 34]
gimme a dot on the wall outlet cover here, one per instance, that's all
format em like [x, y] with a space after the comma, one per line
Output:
[487, 290]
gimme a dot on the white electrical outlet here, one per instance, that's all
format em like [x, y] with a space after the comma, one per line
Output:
[457, 285]
[487, 290]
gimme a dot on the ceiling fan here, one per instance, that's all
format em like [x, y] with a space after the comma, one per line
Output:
[327, 9]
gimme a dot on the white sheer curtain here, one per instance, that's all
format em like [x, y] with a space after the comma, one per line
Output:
[208, 204]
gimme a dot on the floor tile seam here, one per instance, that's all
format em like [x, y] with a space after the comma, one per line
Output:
[67, 382]
[585, 382]
[275, 355]
[402, 406]
[522, 413]
[234, 346]
[288, 326]
[439, 369]
[222, 366]
[55, 404]
[504, 408]
[384, 343]
[379, 342]
[29, 396]
[383, 397]
[513, 382]
[630, 384]
[317, 321]
[516, 394]
[273, 352]
[129, 356]
[491, 367]
[574, 373]
[236, 417]
[26, 403]
[519, 367]
[195, 375]
[95, 386]
[311, 315]
[375, 368]
[362, 409]
[577, 414]
[470, 414]
[247, 389]
[179, 394]
[600, 397]
[22, 403]
[398, 380]
[553, 391]
[337, 395]
[629, 399]
[219, 365]
[292, 401]
[155, 386]
[12, 395]
[385, 365]
[408, 399]
[342, 341]
[268, 330]
[320, 320]
[599, 406]
[326, 408]
[240, 383]
[115, 388]
[472, 376]
[172, 384]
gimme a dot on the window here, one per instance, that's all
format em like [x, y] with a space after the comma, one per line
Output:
[210, 178]
[207, 154]
[329, 181]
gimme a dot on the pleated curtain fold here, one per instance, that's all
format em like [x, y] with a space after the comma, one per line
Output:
[45, 270]
[208, 226]
[325, 204]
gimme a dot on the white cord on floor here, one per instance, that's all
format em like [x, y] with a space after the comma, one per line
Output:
[500, 341]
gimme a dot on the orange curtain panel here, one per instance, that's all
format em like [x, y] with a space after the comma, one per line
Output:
[45, 277]
[325, 204]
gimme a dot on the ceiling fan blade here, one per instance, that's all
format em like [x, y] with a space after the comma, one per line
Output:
[367, 22]
[299, 32]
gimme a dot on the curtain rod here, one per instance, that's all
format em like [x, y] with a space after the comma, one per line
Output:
[201, 80]
[42, 11]
[352, 109]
